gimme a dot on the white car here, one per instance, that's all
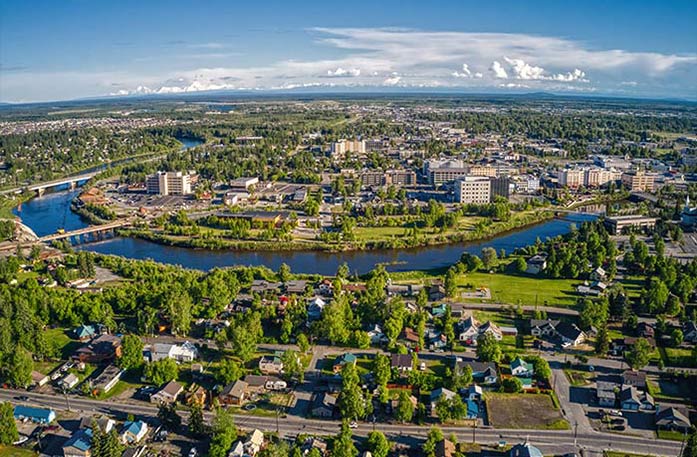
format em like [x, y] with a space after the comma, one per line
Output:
[193, 452]
[353, 424]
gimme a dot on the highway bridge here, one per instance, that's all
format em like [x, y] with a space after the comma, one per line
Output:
[42, 186]
[92, 229]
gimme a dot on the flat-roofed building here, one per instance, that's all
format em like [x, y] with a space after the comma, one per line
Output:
[638, 181]
[500, 187]
[341, 147]
[473, 189]
[572, 178]
[439, 176]
[400, 177]
[616, 224]
[483, 170]
[168, 183]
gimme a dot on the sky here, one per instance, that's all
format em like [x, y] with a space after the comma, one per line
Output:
[70, 49]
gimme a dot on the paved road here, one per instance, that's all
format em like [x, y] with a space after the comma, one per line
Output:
[549, 441]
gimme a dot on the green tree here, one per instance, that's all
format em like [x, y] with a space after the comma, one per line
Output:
[284, 273]
[131, 352]
[512, 385]
[292, 367]
[540, 366]
[690, 449]
[435, 435]
[19, 368]
[161, 371]
[443, 409]
[405, 408]
[520, 265]
[351, 400]
[197, 426]
[8, 427]
[488, 257]
[638, 356]
[451, 282]
[229, 371]
[602, 341]
[224, 433]
[168, 415]
[488, 349]
[382, 369]
[378, 445]
[676, 337]
[343, 443]
[303, 343]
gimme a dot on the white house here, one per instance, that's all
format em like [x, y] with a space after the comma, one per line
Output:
[70, 381]
[185, 352]
[133, 431]
[376, 335]
[315, 307]
[521, 368]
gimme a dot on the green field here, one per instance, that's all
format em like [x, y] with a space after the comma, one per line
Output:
[524, 411]
[522, 289]
[11, 451]
[677, 357]
[62, 342]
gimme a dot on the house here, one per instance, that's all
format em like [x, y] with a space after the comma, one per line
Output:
[474, 393]
[270, 365]
[605, 393]
[256, 385]
[68, 382]
[254, 442]
[107, 379]
[105, 424]
[569, 334]
[482, 372]
[237, 450]
[522, 369]
[196, 395]
[619, 345]
[469, 330]
[315, 306]
[524, 450]
[234, 393]
[536, 264]
[634, 378]
[38, 415]
[261, 287]
[314, 443]
[543, 327]
[185, 352]
[689, 331]
[39, 379]
[472, 409]
[342, 360]
[439, 310]
[445, 448]
[598, 274]
[79, 444]
[376, 335]
[326, 287]
[436, 292]
[296, 287]
[401, 362]
[409, 336]
[437, 395]
[645, 330]
[167, 394]
[323, 405]
[85, 332]
[101, 349]
[672, 419]
[133, 431]
[435, 339]
[274, 383]
[632, 399]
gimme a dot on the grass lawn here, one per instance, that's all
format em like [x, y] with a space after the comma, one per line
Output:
[670, 435]
[524, 411]
[623, 454]
[523, 289]
[578, 378]
[11, 451]
[120, 387]
[676, 357]
[62, 342]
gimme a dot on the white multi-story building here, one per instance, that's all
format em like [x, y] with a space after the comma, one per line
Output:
[473, 189]
[341, 147]
[168, 183]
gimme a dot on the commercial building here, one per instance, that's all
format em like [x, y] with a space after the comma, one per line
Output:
[638, 181]
[473, 189]
[572, 178]
[617, 224]
[500, 187]
[168, 183]
[442, 175]
[483, 170]
[341, 147]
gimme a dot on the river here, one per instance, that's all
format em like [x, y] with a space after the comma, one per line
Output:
[47, 214]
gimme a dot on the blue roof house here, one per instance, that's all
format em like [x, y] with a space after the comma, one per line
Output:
[38, 415]
[472, 409]
[79, 444]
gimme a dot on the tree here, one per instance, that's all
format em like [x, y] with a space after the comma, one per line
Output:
[229, 371]
[512, 385]
[243, 341]
[19, 367]
[131, 352]
[540, 366]
[351, 400]
[443, 409]
[197, 426]
[343, 444]
[382, 369]
[520, 265]
[161, 371]
[488, 257]
[488, 349]
[168, 415]
[451, 282]
[224, 433]
[303, 343]
[654, 297]
[676, 337]
[179, 308]
[638, 356]
[602, 341]
[435, 435]
[8, 426]
[405, 408]
[690, 449]
[593, 313]
[292, 367]
[378, 445]
[284, 273]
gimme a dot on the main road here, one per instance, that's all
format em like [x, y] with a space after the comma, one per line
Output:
[549, 441]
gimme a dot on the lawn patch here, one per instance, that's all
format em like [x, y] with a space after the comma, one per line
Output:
[524, 411]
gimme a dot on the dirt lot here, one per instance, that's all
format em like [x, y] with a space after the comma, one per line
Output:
[535, 411]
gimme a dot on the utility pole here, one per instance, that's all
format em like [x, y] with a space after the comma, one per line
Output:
[575, 433]
[67, 399]
[474, 431]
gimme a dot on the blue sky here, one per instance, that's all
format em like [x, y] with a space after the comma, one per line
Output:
[55, 50]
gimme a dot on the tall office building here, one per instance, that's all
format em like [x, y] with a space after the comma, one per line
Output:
[473, 189]
[168, 183]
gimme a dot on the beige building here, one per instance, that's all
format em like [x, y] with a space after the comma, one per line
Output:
[473, 189]
[341, 147]
[483, 170]
[596, 177]
[168, 183]
[638, 181]
[572, 178]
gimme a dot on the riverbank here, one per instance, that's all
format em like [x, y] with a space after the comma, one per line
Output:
[482, 233]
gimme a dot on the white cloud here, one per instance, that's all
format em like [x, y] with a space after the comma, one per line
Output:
[466, 73]
[522, 70]
[392, 81]
[344, 72]
[576, 75]
[498, 70]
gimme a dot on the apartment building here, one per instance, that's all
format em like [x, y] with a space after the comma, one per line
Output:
[638, 181]
[168, 183]
[572, 178]
[483, 170]
[473, 189]
[341, 147]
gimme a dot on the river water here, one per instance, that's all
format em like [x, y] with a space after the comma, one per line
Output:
[47, 214]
